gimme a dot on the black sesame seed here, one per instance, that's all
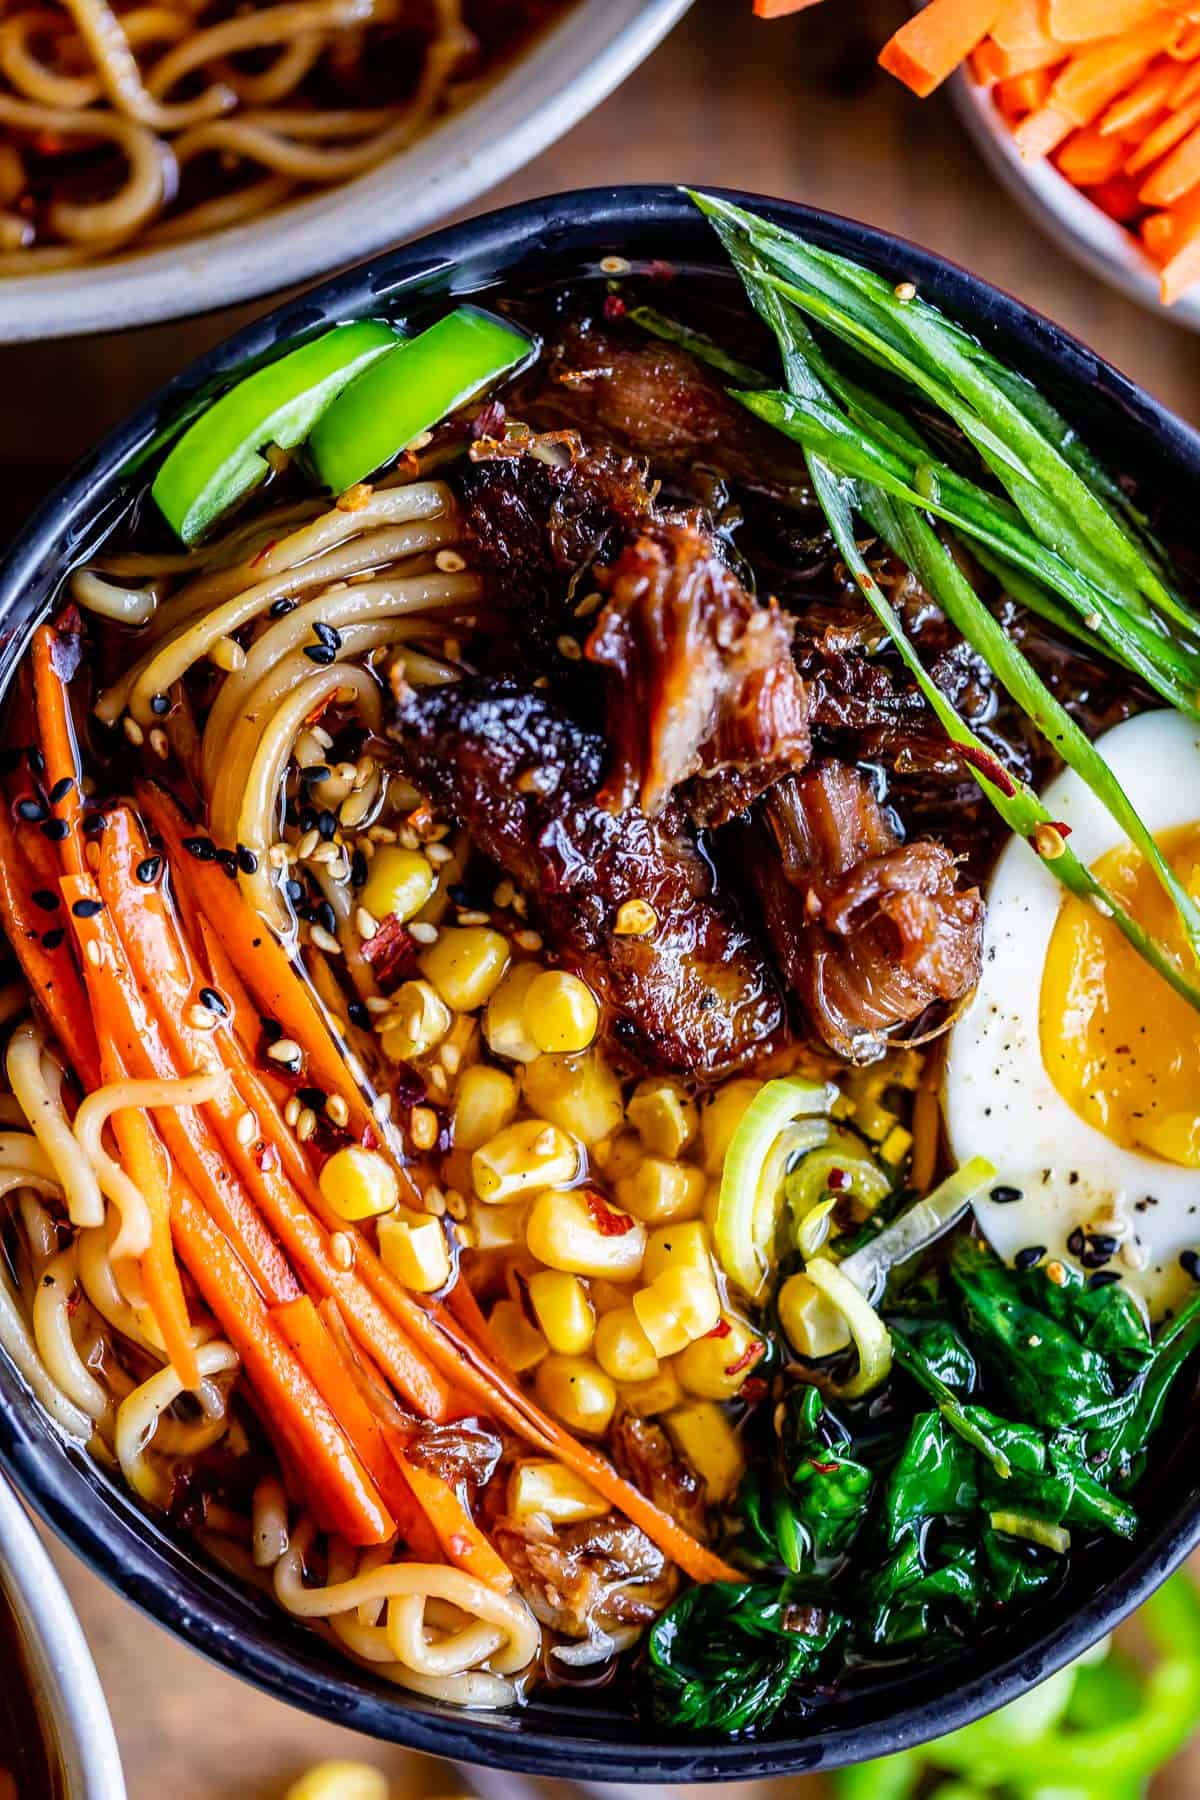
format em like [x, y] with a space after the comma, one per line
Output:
[94, 823]
[55, 829]
[315, 772]
[311, 1096]
[147, 870]
[1103, 1244]
[1104, 1279]
[209, 997]
[52, 939]
[320, 653]
[460, 894]
[294, 891]
[247, 862]
[202, 848]
[45, 899]
[1005, 1196]
[35, 760]
[358, 869]
[61, 789]
[1095, 1259]
[160, 705]
[31, 809]
[358, 1014]
[327, 635]
[87, 909]
[1075, 1243]
[278, 608]
[1030, 1256]
[325, 915]
[327, 824]
[1189, 1262]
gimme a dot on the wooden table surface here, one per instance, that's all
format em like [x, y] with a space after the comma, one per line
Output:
[793, 109]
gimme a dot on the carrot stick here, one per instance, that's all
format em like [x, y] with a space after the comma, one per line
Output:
[1021, 25]
[1082, 21]
[455, 1529]
[990, 63]
[1174, 177]
[1160, 234]
[1087, 159]
[165, 969]
[779, 9]
[931, 44]
[1181, 271]
[1042, 131]
[303, 1329]
[55, 656]
[1164, 136]
[1118, 198]
[1136, 110]
[1186, 84]
[1023, 94]
[49, 969]
[1093, 78]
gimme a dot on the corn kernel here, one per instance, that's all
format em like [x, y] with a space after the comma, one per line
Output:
[498, 1227]
[577, 1391]
[680, 1304]
[398, 882]
[340, 1780]
[520, 1345]
[359, 1184]
[485, 1101]
[504, 1024]
[416, 1252]
[687, 1245]
[896, 1146]
[557, 1493]
[561, 1014]
[663, 1116]
[714, 1368]
[721, 1118]
[658, 1395]
[665, 1331]
[579, 1093]
[563, 1310]
[706, 1440]
[658, 1190]
[562, 1233]
[812, 1324]
[419, 1020]
[523, 1158]
[625, 1156]
[622, 1348]
[466, 964]
[607, 1296]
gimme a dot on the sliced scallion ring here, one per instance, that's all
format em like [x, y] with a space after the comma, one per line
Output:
[872, 1338]
[751, 1196]
[923, 1223]
[1037, 1531]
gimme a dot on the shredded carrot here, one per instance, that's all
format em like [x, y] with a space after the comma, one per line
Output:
[53, 977]
[54, 654]
[1118, 198]
[1042, 131]
[1094, 77]
[1081, 21]
[779, 9]
[1022, 94]
[460, 1537]
[1181, 271]
[1176, 176]
[1087, 158]
[989, 63]
[930, 45]
[1135, 111]
[1021, 25]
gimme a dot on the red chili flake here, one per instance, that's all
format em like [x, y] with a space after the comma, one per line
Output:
[754, 1390]
[614, 306]
[823, 1468]
[658, 270]
[267, 1158]
[264, 552]
[987, 765]
[66, 643]
[370, 1138]
[720, 1330]
[1061, 826]
[391, 953]
[489, 422]
[747, 1359]
[607, 1222]
[74, 1303]
[837, 1179]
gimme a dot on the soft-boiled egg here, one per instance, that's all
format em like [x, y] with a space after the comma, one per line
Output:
[1075, 1069]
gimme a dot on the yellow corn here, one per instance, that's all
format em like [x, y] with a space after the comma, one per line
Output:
[398, 882]
[607, 1296]
[521, 1346]
[721, 1118]
[577, 1391]
[812, 1325]
[498, 1227]
[416, 1252]
[561, 1233]
[579, 1093]
[624, 1156]
[705, 1439]
[658, 1190]
[523, 1158]
[687, 1245]
[622, 1348]
[679, 1305]
[359, 1184]
[664, 1330]
[561, 1013]
[556, 1493]
[562, 1309]
[466, 964]
[714, 1368]
[658, 1395]
[504, 1024]
[896, 1145]
[663, 1116]
[340, 1780]
[485, 1101]
[419, 1020]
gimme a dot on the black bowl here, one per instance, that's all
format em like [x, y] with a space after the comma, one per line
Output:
[586, 1736]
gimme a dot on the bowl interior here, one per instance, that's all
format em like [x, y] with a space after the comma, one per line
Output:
[602, 1735]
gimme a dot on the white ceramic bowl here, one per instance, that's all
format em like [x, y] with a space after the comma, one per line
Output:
[567, 72]
[1063, 212]
[60, 1664]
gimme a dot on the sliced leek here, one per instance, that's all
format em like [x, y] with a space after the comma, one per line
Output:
[751, 1196]
[921, 1225]
[872, 1339]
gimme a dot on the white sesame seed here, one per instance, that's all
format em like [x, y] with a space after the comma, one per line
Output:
[308, 844]
[365, 923]
[527, 940]
[381, 1108]
[201, 1018]
[503, 895]
[285, 1050]
[423, 1127]
[423, 932]
[336, 1110]
[468, 917]
[325, 940]
[905, 291]
[279, 855]
[326, 854]
[377, 1004]
[435, 1202]
[406, 837]
[570, 648]
[341, 1251]
[456, 1206]
[159, 743]
[306, 1124]
[322, 736]
[246, 1127]
[133, 731]
[589, 604]
[439, 853]
[291, 1111]
[354, 809]
[355, 1070]
[94, 953]
[383, 834]
[614, 265]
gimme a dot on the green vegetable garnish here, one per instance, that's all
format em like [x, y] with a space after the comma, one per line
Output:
[216, 462]
[424, 379]
[752, 1183]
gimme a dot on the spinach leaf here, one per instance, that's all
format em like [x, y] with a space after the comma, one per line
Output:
[806, 1510]
[723, 1658]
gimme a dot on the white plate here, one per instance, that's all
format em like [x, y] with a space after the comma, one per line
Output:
[566, 73]
[1063, 212]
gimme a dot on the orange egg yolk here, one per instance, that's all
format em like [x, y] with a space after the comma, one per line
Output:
[1121, 1047]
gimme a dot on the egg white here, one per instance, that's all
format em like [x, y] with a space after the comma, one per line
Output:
[999, 1100]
